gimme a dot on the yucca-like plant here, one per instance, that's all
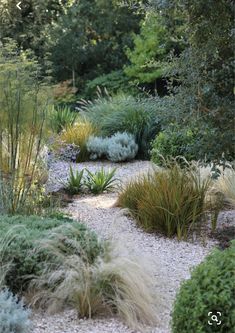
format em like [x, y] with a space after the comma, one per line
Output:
[61, 117]
[79, 134]
[100, 180]
[114, 283]
[23, 105]
[74, 183]
[169, 201]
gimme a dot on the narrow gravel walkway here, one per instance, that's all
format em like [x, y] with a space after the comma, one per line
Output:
[171, 260]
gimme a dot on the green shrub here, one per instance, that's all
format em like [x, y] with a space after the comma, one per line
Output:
[117, 148]
[100, 181]
[115, 82]
[14, 318]
[169, 201]
[210, 289]
[173, 142]
[126, 114]
[21, 250]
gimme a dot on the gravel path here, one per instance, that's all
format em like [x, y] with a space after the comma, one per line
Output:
[171, 260]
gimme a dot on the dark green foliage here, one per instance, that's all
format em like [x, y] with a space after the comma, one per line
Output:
[115, 82]
[211, 288]
[205, 69]
[21, 251]
[88, 40]
[173, 142]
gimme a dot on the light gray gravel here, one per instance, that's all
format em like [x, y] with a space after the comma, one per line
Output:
[171, 260]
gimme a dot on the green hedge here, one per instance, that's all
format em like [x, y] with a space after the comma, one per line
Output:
[210, 289]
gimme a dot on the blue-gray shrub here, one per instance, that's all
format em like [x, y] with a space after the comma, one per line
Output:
[14, 318]
[117, 148]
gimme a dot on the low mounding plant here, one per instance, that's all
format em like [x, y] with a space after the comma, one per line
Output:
[173, 142]
[210, 289]
[121, 113]
[61, 117]
[114, 283]
[119, 147]
[74, 183]
[20, 250]
[169, 201]
[79, 134]
[13, 315]
[100, 180]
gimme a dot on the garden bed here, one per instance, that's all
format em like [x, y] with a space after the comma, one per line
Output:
[170, 259]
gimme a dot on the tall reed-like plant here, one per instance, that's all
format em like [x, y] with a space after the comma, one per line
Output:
[23, 105]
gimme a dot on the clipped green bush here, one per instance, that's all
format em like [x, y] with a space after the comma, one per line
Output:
[210, 289]
[173, 142]
[117, 148]
[14, 318]
[21, 251]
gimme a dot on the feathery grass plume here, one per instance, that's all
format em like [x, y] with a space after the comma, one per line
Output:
[79, 134]
[226, 185]
[169, 201]
[114, 283]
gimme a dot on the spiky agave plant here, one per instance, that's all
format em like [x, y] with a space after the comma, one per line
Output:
[101, 180]
[114, 283]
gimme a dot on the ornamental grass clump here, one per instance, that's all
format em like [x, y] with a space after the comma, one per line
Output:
[114, 283]
[78, 134]
[168, 201]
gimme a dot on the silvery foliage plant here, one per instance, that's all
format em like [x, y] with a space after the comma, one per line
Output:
[14, 318]
[117, 148]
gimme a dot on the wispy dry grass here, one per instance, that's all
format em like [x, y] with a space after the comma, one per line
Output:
[115, 283]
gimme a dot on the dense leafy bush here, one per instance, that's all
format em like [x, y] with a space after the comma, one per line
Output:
[140, 117]
[14, 318]
[114, 82]
[119, 147]
[78, 134]
[21, 250]
[169, 201]
[173, 142]
[210, 289]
